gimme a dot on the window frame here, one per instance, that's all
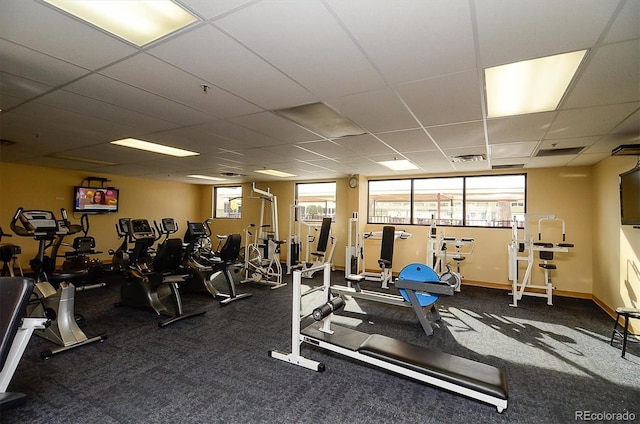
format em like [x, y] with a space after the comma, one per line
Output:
[335, 200]
[215, 202]
[413, 220]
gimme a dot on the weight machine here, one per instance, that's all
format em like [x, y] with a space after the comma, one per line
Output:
[439, 251]
[523, 250]
[297, 249]
[419, 289]
[262, 246]
[355, 253]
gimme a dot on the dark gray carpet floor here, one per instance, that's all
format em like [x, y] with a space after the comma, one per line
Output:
[216, 367]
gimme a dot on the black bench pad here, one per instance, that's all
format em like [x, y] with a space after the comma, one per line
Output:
[462, 372]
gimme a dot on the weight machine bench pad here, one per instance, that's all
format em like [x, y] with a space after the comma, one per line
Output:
[462, 372]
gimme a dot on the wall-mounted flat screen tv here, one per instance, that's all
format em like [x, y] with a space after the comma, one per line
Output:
[95, 200]
[630, 197]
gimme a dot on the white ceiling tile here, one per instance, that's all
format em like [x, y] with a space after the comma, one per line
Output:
[519, 128]
[210, 9]
[452, 98]
[568, 143]
[589, 121]
[459, 135]
[612, 76]
[111, 91]
[86, 106]
[365, 143]
[274, 126]
[408, 141]
[627, 23]
[328, 149]
[19, 89]
[507, 30]
[512, 150]
[230, 66]
[550, 161]
[375, 111]
[304, 40]
[32, 65]
[411, 40]
[241, 136]
[177, 85]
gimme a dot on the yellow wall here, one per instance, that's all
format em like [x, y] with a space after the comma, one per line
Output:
[51, 189]
[616, 266]
[565, 192]
[585, 197]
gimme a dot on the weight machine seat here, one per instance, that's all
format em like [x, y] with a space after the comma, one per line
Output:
[14, 297]
[462, 372]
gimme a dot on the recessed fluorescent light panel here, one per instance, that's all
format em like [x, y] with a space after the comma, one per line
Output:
[153, 147]
[139, 22]
[275, 173]
[530, 86]
[205, 177]
[398, 165]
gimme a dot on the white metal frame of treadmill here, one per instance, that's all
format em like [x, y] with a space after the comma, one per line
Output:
[323, 336]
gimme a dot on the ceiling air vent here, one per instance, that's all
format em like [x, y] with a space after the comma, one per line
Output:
[5, 142]
[559, 152]
[468, 158]
[512, 166]
[232, 174]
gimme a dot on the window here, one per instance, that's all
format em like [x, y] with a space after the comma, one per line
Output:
[482, 201]
[438, 199]
[494, 201]
[316, 200]
[227, 202]
[390, 202]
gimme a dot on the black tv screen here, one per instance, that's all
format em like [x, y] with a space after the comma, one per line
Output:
[630, 197]
[95, 200]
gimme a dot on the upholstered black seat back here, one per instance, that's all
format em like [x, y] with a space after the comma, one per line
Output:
[14, 296]
[231, 248]
[169, 256]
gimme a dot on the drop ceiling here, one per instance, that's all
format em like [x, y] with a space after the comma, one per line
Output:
[409, 73]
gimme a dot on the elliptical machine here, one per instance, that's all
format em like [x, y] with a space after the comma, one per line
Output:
[57, 305]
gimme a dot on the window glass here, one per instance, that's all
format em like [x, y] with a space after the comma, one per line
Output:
[482, 201]
[316, 201]
[390, 202]
[439, 200]
[494, 201]
[227, 202]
